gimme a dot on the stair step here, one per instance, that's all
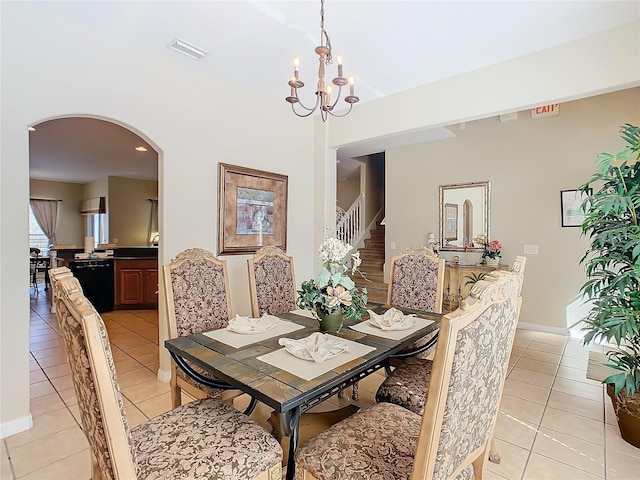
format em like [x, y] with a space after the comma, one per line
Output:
[371, 255]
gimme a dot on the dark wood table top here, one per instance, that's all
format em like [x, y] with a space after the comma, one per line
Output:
[278, 388]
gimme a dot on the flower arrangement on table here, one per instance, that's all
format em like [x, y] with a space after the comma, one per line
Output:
[492, 250]
[333, 291]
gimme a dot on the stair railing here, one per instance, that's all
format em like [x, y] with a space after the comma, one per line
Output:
[350, 224]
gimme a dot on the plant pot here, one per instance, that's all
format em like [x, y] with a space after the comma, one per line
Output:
[627, 410]
[330, 322]
[492, 262]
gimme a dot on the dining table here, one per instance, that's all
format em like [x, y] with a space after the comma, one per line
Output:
[261, 367]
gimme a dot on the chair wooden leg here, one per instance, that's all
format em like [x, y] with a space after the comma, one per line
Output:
[494, 454]
[176, 396]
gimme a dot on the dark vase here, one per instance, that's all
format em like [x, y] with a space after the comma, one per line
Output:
[330, 322]
[627, 410]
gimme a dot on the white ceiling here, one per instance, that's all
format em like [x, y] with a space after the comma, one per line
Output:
[389, 46]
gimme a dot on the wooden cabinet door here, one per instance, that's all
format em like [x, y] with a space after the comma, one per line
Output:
[130, 286]
[150, 294]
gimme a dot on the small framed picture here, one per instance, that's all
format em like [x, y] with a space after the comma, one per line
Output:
[252, 210]
[571, 207]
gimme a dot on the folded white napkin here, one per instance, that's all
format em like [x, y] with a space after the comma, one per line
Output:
[250, 325]
[317, 347]
[392, 319]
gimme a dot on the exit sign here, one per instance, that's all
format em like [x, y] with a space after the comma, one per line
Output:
[545, 110]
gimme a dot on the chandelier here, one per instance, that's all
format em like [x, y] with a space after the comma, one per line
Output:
[323, 90]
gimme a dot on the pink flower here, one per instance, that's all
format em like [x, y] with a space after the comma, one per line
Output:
[495, 246]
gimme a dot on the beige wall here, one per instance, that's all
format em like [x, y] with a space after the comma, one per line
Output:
[347, 191]
[528, 161]
[70, 228]
[374, 189]
[128, 210]
[123, 85]
[97, 188]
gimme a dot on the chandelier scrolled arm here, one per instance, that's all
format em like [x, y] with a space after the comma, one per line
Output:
[323, 90]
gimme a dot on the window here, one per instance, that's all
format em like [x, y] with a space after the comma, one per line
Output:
[37, 238]
[97, 228]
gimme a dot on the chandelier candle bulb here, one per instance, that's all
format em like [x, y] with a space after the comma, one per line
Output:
[339, 65]
[328, 95]
[351, 83]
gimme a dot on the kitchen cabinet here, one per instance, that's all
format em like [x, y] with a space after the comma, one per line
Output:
[136, 283]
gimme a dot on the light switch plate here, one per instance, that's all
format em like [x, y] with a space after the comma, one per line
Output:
[531, 249]
[393, 245]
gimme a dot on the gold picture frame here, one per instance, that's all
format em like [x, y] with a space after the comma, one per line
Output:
[252, 210]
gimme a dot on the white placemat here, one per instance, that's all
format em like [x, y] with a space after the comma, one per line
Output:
[308, 369]
[239, 340]
[366, 327]
[304, 313]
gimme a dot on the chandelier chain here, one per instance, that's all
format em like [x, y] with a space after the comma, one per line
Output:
[324, 35]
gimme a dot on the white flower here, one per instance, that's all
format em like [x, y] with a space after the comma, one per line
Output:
[333, 250]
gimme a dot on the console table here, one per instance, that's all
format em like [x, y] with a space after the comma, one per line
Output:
[458, 280]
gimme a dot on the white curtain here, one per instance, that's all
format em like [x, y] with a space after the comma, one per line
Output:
[46, 214]
[153, 218]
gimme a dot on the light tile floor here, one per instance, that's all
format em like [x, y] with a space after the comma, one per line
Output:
[553, 422]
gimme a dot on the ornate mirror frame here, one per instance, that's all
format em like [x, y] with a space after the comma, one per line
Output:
[460, 203]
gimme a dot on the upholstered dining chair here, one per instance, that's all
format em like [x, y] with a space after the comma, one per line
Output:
[197, 289]
[409, 382]
[272, 282]
[206, 438]
[416, 281]
[451, 439]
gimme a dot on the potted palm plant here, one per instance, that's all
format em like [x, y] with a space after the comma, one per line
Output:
[612, 262]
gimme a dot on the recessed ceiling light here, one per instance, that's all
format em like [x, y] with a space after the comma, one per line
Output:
[187, 49]
[32, 129]
[141, 149]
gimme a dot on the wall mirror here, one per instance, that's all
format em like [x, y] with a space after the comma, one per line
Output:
[464, 214]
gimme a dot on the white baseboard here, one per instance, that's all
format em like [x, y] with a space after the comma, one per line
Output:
[543, 328]
[16, 426]
[164, 375]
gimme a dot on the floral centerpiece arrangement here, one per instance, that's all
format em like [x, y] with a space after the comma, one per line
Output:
[332, 292]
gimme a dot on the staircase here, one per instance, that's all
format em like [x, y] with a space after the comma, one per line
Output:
[372, 256]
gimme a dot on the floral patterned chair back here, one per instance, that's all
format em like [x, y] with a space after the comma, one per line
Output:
[94, 378]
[416, 280]
[197, 288]
[272, 282]
[467, 379]
[197, 291]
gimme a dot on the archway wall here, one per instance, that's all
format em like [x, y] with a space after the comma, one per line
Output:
[63, 68]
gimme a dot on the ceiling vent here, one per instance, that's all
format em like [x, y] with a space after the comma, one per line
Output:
[187, 49]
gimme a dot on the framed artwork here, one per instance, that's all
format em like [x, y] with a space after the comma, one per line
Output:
[450, 221]
[252, 210]
[571, 207]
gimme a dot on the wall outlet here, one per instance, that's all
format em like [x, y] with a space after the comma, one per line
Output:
[531, 249]
[114, 240]
[393, 245]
